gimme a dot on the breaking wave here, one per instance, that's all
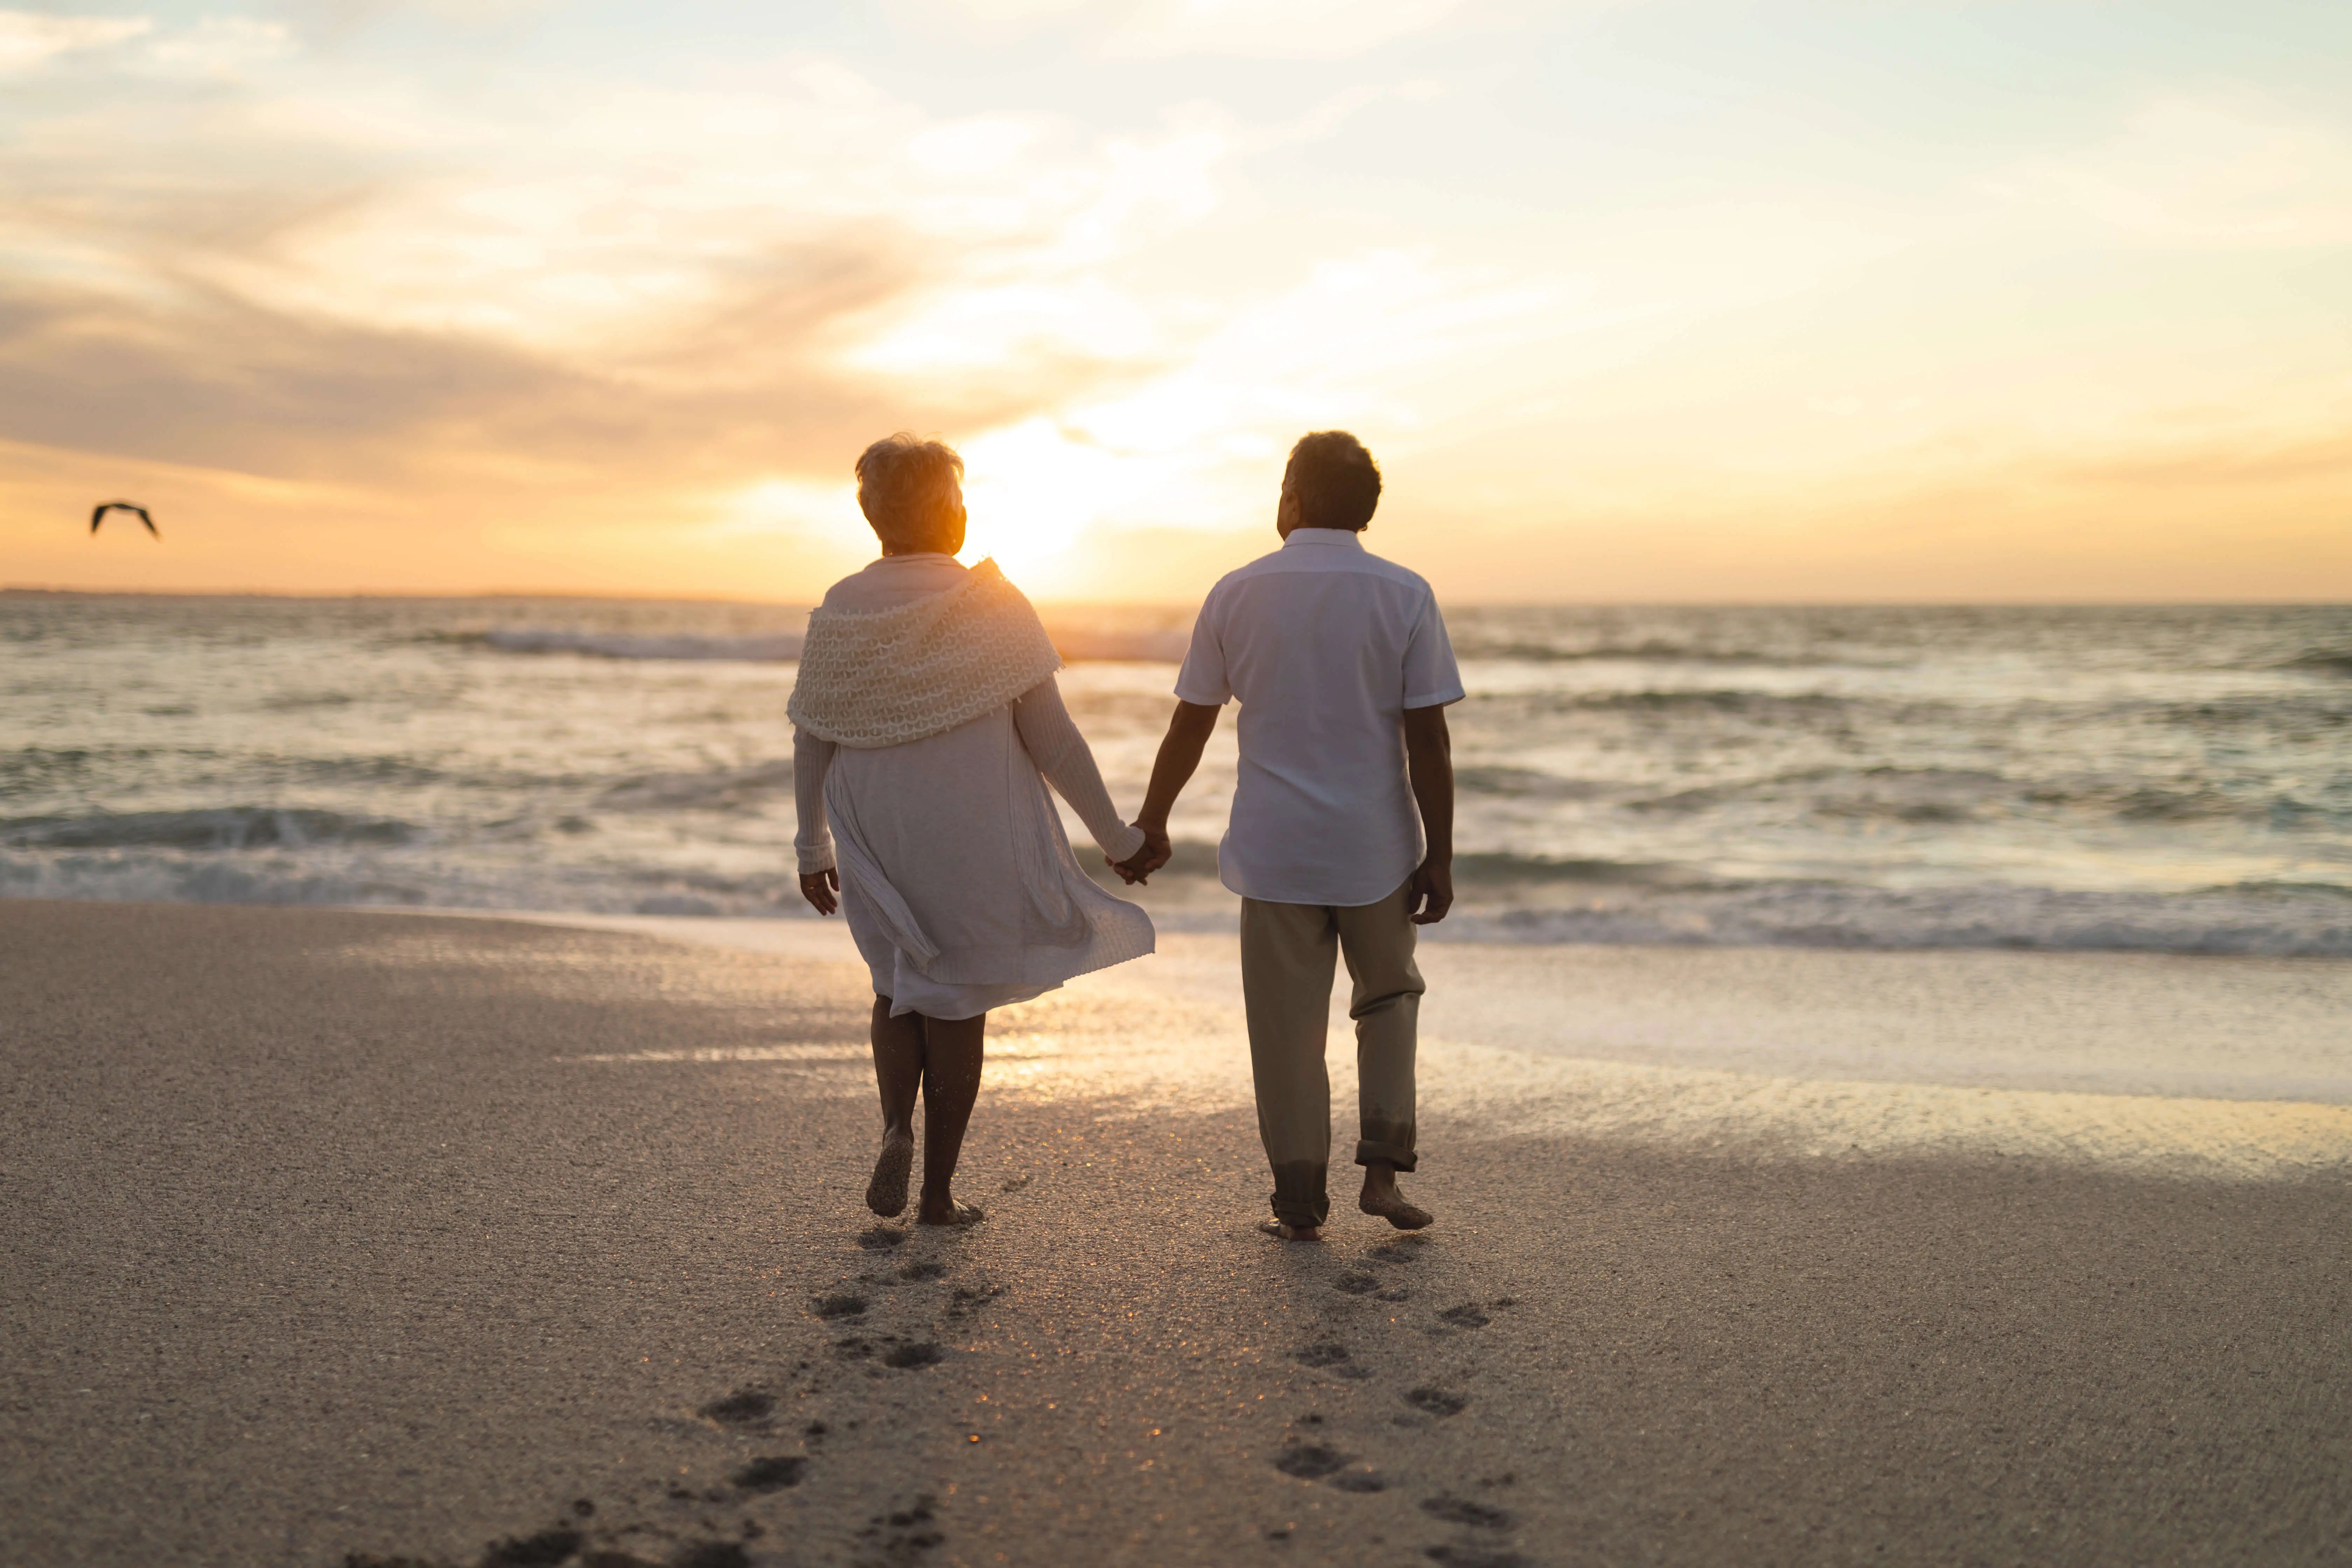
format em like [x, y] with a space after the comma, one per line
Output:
[1076, 644]
[779, 646]
[229, 827]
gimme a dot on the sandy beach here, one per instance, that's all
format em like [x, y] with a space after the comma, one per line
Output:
[339, 1237]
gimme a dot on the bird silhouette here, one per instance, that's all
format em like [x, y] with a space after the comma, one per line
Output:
[98, 514]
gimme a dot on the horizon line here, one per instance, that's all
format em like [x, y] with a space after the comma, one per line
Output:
[35, 589]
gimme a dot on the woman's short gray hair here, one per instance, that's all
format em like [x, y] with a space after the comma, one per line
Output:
[903, 481]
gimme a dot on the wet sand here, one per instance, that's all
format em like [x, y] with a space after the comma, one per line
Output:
[337, 1235]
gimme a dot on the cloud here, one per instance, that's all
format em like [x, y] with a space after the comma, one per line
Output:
[294, 266]
[1272, 29]
[2206, 175]
[28, 39]
[1253, 29]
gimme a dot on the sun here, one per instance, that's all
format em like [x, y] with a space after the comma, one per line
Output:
[1031, 491]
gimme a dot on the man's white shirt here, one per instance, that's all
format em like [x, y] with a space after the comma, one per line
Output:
[1326, 645]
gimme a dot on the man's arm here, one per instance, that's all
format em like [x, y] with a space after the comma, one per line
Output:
[1188, 729]
[1429, 760]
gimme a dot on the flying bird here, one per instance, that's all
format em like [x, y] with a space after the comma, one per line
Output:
[98, 514]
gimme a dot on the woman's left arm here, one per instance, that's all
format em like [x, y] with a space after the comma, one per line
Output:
[1062, 754]
[820, 882]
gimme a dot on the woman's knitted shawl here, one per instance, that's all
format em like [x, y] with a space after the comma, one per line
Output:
[882, 677]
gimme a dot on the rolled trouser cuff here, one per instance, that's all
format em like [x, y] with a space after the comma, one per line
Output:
[1371, 1152]
[1300, 1197]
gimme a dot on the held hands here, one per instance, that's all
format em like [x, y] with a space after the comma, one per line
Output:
[820, 888]
[1139, 867]
[1431, 893]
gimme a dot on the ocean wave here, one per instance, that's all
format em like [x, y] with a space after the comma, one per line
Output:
[2273, 921]
[769, 650]
[2321, 661]
[1524, 784]
[1501, 898]
[1927, 796]
[1091, 645]
[727, 789]
[1472, 642]
[1075, 645]
[213, 828]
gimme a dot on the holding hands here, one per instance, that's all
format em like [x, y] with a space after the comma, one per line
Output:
[1139, 867]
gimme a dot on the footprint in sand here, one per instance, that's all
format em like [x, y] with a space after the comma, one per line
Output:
[914, 1273]
[876, 1238]
[831, 1308]
[548, 1546]
[1327, 1353]
[1436, 1402]
[907, 1357]
[966, 1300]
[744, 1407]
[1462, 1510]
[1476, 1557]
[913, 1527]
[1310, 1461]
[1356, 1284]
[711, 1554]
[1465, 1316]
[1361, 1481]
[770, 1474]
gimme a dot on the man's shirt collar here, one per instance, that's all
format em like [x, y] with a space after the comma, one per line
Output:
[1345, 538]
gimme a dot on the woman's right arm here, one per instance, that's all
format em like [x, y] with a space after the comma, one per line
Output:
[812, 759]
[1061, 754]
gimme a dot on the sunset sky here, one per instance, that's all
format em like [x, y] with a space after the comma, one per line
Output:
[1684, 301]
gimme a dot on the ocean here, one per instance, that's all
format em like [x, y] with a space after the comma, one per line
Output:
[2150, 779]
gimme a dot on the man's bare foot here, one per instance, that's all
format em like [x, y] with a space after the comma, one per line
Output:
[1274, 1227]
[1381, 1197]
[886, 1194]
[949, 1213]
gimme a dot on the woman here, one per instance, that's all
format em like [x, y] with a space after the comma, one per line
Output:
[926, 722]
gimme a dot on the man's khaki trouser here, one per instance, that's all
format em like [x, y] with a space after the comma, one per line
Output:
[1287, 971]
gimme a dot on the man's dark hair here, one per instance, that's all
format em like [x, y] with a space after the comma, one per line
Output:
[1336, 481]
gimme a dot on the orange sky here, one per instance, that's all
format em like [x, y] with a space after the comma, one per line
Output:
[1634, 301]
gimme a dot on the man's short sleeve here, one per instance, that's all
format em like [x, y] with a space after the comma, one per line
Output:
[1430, 679]
[1204, 679]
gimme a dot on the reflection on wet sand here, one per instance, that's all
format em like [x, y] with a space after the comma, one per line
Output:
[1168, 1038]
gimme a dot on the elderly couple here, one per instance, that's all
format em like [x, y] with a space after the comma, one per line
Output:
[926, 725]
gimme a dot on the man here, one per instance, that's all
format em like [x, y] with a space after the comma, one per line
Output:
[1341, 840]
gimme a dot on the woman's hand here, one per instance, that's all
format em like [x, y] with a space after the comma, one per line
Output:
[1139, 867]
[819, 889]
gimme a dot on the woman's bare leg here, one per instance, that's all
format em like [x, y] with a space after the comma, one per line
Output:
[951, 1061]
[899, 1073]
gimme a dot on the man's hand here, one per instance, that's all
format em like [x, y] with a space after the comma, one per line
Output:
[1431, 893]
[1139, 867]
[819, 889]
[1429, 760]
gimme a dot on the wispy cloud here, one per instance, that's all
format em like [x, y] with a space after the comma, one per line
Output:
[2203, 173]
[1258, 30]
[29, 38]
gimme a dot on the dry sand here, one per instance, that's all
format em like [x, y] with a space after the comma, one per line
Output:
[334, 1234]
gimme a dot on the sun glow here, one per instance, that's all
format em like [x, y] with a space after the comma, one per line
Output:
[1031, 490]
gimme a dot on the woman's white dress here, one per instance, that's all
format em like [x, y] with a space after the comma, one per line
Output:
[958, 827]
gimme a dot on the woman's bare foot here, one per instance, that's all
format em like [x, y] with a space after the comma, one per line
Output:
[1274, 1227]
[1381, 1197]
[886, 1194]
[947, 1211]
